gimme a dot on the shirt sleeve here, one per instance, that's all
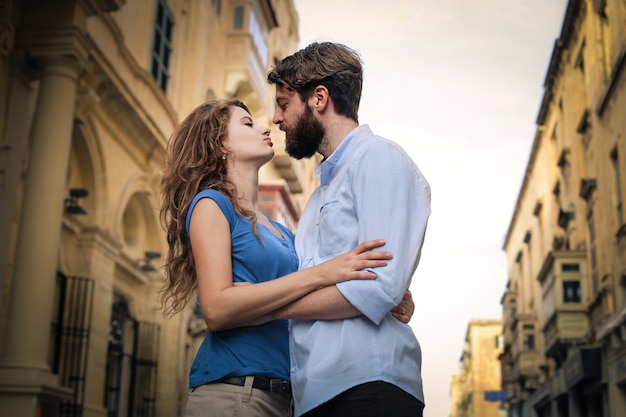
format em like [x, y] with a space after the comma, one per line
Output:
[224, 204]
[392, 202]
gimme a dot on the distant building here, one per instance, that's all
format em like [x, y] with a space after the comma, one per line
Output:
[90, 92]
[476, 391]
[564, 308]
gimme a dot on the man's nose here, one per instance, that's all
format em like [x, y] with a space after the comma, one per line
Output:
[278, 117]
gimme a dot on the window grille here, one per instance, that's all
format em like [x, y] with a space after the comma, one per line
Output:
[70, 341]
[132, 361]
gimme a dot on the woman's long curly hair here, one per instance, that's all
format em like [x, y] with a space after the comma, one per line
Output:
[195, 160]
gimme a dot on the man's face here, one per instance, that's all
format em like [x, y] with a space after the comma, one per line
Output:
[303, 132]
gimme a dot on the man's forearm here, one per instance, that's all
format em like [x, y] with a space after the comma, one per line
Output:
[324, 304]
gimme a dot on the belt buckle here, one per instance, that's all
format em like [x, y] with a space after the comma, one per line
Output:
[277, 386]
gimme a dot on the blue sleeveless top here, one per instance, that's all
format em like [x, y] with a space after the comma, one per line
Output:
[256, 350]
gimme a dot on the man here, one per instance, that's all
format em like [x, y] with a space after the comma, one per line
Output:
[349, 356]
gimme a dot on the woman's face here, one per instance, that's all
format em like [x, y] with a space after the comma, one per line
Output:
[247, 141]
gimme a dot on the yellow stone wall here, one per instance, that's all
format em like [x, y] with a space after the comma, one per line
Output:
[479, 371]
[107, 134]
[568, 227]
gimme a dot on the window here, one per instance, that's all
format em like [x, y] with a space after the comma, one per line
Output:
[556, 190]
[571, 292]
[70, 330]
[259, 37]
[618, 187]
[131, 363]
[570, 268]
[512, 307]
[528, 336]
[217, 6]
[605, 38]
[499, 342]
[238, 17]
[563, 158]
[593, 252]
[584, 128]
[162, 45]
[529, 342]
[527, 236]
[554, 135]
[580, 59]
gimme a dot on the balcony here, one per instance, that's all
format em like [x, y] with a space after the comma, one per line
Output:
[612, 327]
[523, 335]
[288, 170]
[583, 367]
[525, 355]
[275, 204]
[563, 279]
[506, 367]
[247, 53]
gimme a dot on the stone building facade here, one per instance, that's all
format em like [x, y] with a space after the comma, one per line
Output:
[474, 391]
[564, 308]
[90, 91]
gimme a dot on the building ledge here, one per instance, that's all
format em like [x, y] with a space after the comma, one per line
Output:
[611, 323]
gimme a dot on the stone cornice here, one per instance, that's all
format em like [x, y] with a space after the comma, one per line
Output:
[94, 7]
[69, 42]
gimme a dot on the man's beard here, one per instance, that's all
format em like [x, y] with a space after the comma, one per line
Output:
[305, 138]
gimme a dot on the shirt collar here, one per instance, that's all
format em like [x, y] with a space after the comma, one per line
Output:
[324, 170]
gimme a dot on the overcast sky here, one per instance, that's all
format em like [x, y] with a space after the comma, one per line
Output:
[458, 84]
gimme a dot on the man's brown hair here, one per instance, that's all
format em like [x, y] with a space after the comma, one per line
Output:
[333, 65]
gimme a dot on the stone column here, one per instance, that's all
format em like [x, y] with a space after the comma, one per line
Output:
[23, 368]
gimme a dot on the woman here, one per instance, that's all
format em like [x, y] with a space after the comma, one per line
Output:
[219, 243]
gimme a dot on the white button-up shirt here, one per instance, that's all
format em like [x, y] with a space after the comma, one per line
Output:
[369, 189]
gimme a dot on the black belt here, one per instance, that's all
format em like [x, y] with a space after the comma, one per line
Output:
[275, 386]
